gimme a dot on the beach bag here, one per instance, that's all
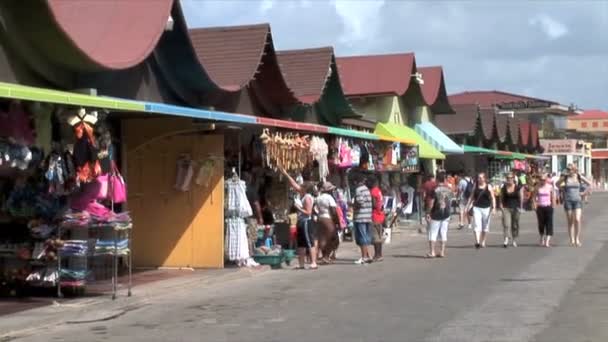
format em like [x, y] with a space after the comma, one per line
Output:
[117, 190]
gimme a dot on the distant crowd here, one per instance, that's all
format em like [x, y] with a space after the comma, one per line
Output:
[477, 200]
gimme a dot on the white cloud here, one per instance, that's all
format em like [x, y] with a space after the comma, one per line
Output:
[266, 5]
[361, 20]
[551, 27]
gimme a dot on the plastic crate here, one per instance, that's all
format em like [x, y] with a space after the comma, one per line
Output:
[272, 260]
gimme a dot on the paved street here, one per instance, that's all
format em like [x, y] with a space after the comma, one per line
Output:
[517, 294]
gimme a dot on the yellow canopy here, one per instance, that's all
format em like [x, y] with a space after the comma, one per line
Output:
[405, 133]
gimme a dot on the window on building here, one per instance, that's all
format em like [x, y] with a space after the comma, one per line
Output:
[583, 124]
[595, 124]
[605, 123]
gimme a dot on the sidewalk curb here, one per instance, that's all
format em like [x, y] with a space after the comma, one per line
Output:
[84, 311]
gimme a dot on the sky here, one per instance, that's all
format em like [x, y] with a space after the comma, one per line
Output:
[554, 50]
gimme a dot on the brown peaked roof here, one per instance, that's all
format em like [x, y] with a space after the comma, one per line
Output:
[491, 97]
[433, 90]
[502, 122]
[105, 30]
[376, 74]
[307, 71]
[463, 122]
[231, 55]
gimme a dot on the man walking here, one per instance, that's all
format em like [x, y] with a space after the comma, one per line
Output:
[438, 215]
[362, 218]
[465, 189]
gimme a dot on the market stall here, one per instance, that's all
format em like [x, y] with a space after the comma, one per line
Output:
[60, 222]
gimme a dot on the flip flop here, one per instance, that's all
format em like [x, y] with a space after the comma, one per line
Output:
[313, 268]
[430, 256]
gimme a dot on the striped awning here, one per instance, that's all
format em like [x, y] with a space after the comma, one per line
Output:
[437, 138]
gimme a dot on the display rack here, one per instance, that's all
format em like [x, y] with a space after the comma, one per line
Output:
[102, 239]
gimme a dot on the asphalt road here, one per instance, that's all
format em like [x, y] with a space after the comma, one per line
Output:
[519, 294]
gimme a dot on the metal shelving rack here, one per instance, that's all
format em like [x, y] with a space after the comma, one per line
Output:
[116, 254]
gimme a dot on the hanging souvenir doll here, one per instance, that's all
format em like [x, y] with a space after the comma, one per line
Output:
[86, 159]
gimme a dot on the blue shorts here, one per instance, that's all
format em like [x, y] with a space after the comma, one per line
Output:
[362, 233]
[572, 205]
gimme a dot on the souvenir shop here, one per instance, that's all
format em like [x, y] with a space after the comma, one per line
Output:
[258, 197]
[253, 161]
[398, 171]
[61, 224]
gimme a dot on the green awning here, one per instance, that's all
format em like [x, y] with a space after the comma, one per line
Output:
[20, 92]
[480, 150]
[425, 149]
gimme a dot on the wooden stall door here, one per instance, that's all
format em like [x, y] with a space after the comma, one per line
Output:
[174, 228]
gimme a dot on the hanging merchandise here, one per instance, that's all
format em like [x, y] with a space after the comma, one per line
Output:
[85, 149]
[345, 155]
[185, 171]
[396, 157]
[319, 151]
[290, 152]
[15, 155]
[410, 161]
[355, 153]
[205, 173]
[117, 191]
[16, 123]
[237, 209]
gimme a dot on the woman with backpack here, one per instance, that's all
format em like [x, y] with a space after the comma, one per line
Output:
[483, 204]
[573, 202]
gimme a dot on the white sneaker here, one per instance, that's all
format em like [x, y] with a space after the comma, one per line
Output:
[361, 261]
[470, 226]
[514, 243]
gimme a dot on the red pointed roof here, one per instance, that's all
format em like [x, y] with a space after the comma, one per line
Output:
[433, 83]
[376, 74]
[491, 98]
[524, 131]
[231, 55]
[591, 114]
[307, 71]
[115, 34]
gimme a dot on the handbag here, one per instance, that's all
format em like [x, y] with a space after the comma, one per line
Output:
[477, 199]
[117, 190]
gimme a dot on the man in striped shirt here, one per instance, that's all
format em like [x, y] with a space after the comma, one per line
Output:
[362, 205]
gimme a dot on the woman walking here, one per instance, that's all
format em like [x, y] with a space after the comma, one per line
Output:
[573, 203]
[511, 203]
[543, 201]
[483, 203]
[306, 235]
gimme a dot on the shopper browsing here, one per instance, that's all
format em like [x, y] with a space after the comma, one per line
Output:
[378, 218]
[306, 235]
[362, 218]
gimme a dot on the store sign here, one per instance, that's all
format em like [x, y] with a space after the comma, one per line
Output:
[524, 105]
[411, 160]
[566, 146]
